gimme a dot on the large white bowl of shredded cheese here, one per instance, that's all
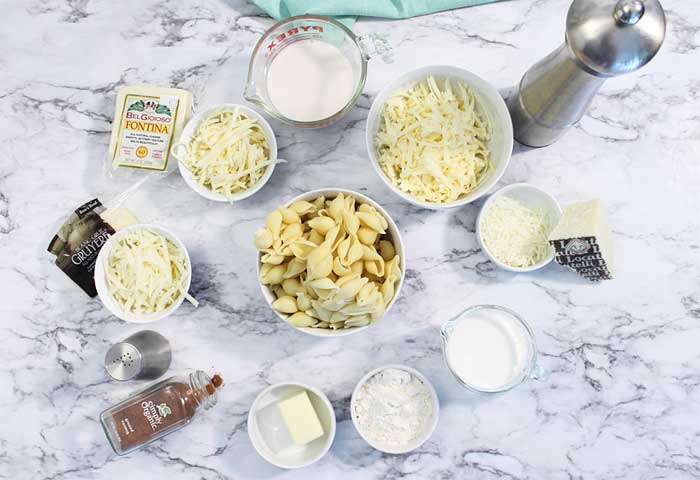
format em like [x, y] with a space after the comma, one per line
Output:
[226, 153]
[151, 286]
[423, 172]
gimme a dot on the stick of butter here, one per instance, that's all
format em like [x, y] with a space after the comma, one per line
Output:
[583, 241]
[300, 418]
[145, 122]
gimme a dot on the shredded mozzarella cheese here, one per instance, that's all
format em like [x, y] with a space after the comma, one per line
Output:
[146, 273]
[515, 234]
[432, 141]
[228, 153]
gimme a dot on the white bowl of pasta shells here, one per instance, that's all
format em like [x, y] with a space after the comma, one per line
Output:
[330, 262]
[439, 136]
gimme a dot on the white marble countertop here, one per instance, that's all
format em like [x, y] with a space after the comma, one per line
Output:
[623, 396]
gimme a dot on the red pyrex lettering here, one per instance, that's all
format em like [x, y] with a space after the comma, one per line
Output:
[293, 31]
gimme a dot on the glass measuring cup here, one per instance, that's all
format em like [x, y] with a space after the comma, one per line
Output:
[524, 362]
[357, 50]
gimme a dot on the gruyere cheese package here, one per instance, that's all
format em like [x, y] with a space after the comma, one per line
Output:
[147, 122]
[583, 241]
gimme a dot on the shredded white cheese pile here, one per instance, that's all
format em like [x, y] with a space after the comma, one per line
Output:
[145, 272]
[515, 234]
[432, 141]
[228, 153]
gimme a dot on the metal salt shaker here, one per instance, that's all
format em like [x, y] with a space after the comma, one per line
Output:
[143, 355]
[604, 38]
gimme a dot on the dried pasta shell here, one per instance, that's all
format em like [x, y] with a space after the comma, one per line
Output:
[321, 325]
[321, 224]
[301, 319]
[350, 286]
[350, 222]
[315, 237]
[319, 202]
[357, 321]
[292, 286]
[294, 268]
[285, 304]
[272, 258]
[339, 317]
[393, 275]
[370, 253]
[334, 236]
[357, 267]
[323, 288]
[350, 250]
[367, 235]
[302, 248]
[370, 217]
[375, 267]
[302, 207]
[272, 276]
[340, 269]
[337, 207]
[263, 238]
[289, 216]
[279, 291]
[319, 263]
[274, 223]
[321, 313]
[291, 232]
[386, 250]
[303, 301]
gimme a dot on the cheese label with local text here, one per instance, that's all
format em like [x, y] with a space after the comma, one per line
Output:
[582, 254]
[146, 128]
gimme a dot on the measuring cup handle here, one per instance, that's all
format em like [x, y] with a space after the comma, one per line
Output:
[539, 373]
[376, 44]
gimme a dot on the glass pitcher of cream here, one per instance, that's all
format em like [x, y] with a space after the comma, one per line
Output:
[490, 349]
[308, 71]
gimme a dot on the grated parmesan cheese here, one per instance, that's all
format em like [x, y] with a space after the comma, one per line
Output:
[146, 273]
[228, 153]
[514, 234]
[432, 141]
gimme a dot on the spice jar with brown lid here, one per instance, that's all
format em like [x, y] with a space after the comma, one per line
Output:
[159, 410]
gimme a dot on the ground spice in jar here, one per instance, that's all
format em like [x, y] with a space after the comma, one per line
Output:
[159, 410]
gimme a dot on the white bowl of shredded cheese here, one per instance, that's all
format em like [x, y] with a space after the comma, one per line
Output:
[439, 136]
[226, 153]
[513, 227]
[149, 289]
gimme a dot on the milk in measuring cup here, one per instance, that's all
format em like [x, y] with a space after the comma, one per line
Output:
[310, 80]
[489, 350]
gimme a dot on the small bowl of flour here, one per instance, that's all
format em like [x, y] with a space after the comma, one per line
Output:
[394, 408]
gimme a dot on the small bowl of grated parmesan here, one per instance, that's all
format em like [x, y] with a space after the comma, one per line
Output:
[513, 227]
[226, 153]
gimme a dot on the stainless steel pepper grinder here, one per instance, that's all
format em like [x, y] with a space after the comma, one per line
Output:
[604, 38]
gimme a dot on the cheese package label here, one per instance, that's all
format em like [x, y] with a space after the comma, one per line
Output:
[582, 241]
[147, 119]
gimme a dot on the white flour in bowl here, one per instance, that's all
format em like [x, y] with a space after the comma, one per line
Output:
[393, 408]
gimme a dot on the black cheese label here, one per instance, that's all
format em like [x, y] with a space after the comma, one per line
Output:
[582, 255]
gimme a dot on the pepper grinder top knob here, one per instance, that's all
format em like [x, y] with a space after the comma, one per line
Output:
[614, 38]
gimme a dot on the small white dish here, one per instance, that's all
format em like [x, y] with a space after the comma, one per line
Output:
[191, 128]
[494, 108]
[429, 426]
[532, 197]
[296, 456]
[103, 290]
[395, 235]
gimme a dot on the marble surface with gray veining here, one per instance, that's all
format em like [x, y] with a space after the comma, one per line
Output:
[622, 399]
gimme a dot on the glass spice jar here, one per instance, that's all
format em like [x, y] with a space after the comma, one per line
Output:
[158, 410]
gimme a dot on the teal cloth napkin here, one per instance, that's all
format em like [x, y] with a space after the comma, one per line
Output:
[349, 10]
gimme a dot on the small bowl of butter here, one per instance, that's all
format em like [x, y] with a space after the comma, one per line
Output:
[291, 425]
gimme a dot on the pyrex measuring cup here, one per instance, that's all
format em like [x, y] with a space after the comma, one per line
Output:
[496, 321]
[357, 50]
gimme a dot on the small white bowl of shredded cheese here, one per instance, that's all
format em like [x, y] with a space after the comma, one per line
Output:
[513, 227]
[143, 273]
[226, 153]
[439, 136]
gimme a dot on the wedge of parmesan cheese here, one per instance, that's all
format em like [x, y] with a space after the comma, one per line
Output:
[583, 241]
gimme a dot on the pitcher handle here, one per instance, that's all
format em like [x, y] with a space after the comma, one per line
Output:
[376, 44]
